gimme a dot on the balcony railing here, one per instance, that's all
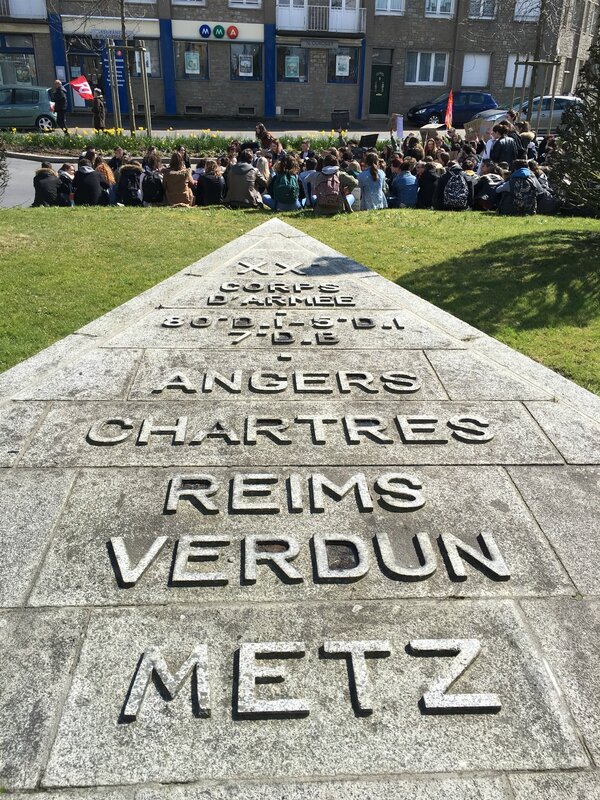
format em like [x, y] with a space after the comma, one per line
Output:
[320, 19]
[23, 9]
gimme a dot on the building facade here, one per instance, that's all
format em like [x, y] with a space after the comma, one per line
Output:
[297, 59]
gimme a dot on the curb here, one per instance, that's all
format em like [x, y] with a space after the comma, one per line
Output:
[52, 159]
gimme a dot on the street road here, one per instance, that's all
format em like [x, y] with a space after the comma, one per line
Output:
[20, 183]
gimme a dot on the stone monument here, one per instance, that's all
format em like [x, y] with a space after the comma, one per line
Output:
[278, 528]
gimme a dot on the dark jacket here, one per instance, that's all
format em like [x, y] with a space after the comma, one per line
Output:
[129, 184]
[485, 198]
[438, 199]
[47, 185]
[244, 185]
[426, 191]
[210, 190]
[504, 149]
[66, 188]
[89, 187]
[115, 164]
[59, 98]
[98, 113]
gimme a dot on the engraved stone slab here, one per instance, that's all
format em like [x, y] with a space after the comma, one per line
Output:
[404, 551]
[569, 635]
[95, 744]
[318, 330]
[156, 434]
[39, 651]
[199, 378]
[576, 436]
[566, 504]
[560, 786]
[17, 422]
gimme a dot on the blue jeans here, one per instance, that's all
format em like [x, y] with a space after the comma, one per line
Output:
[275, 206]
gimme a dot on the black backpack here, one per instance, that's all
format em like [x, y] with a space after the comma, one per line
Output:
[524, 196]
[130, 187]
[153, 190]
[456, 192]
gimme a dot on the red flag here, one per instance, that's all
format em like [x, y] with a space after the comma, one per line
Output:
[82, 87]
[449, 110]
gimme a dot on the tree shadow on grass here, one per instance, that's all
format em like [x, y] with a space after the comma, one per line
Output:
[525, 282]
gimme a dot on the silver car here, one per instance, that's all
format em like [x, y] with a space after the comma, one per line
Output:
[26, 107]
[486, 119]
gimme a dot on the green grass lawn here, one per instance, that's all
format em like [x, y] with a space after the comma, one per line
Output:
[533, 283]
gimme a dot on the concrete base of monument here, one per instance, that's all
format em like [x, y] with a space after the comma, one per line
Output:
[279, 528]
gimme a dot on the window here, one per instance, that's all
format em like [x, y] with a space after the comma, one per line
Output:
[476, 69]
[18, 41]
[292, 64]
[245, 3]
[5, 97]
[191, 60]
[26, 97]
[152, 59]
[521, 78]
[426, 68]
[342, 65]
[246, 62]
[389, 6]
[188, 2]
[18, 68]
[439, 8]
[482, 9]
[527, 10]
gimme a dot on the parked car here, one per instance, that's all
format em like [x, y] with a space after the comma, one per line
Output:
[492, 117]
[466, 105]
[26, 107]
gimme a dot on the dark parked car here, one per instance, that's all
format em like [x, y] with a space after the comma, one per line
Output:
[466, 105]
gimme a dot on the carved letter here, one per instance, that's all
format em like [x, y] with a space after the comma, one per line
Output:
[392, 569]
[153, 663]
[219, 430]
[251, 672]
[317, 424]
[370, 427]
[418, 429]
[324, 573]
[314, 382]
[195, 488]
[356, 654]
[399, 492]
[177, 431]
[270, 382]
[278, 560]
[402, 382]
[266, 427]
[488, 558]
[212, 379]
[245, 485]
[435, 700]
[470, 429]
[321, 485]
[192, 549]
[361, 379]
[176, 381]
[128, 575]
[95, 437]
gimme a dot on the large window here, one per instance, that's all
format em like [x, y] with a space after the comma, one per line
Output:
[439, 8]
[245, 3]
[523, 74]
[152, 59]
[342, 65]
[389, 6]
[191, 60]
[17, 62]
[292, 64]
[527, 10]
[482, 9]
[476, 69]
[426, 68]
[246, 62]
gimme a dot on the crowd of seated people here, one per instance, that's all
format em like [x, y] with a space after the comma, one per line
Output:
[506, 173]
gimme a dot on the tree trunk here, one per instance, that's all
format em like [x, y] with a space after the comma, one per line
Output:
[127, 70]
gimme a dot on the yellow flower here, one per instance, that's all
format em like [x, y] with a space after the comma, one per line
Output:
[140, 128]
[170, 129]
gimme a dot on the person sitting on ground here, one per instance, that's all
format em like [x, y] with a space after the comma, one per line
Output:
[263, 165]
[454, 192]
[485, 197]
[333, 188]
[65, 193]
[153, 190]
[427, 185]
[244, 183]
[177, 182]
[519, 194]
[529, 144]
[307, 179]
[150, 151]
[264, 136]
[304, 149]
[89, 186]
[283, 193]
[47, 185]
[129, 185]
[403, 191]
[210, 188]
[117, 161]
[106, 172]
[184, 155]
[372, 185]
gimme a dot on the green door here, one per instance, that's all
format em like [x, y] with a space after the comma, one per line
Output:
[380, 89]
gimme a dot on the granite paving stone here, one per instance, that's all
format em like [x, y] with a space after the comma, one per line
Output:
[570, 635]
[27, 518]
[120, 434]
[129, 507]
[39, 650]
[557, 786]
[575, 435]
[565, 502]
[395, 374]
[109, 730]
[17, 422]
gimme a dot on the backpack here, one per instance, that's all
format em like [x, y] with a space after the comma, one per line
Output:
[328, 192]
[285, 189]
[524, 198]
[456, 192]
[152, 188]
[131, 190]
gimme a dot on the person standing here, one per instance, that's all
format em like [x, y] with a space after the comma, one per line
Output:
[98, 111]
[59, 98]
